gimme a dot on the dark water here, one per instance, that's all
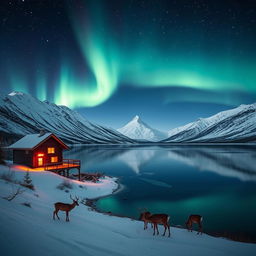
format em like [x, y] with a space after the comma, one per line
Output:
[218, 182]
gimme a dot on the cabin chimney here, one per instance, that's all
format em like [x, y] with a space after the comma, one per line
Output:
[42, 132]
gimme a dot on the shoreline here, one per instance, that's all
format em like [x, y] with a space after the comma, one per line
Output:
[91, 203]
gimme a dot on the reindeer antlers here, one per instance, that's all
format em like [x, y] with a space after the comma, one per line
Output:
[77, 198]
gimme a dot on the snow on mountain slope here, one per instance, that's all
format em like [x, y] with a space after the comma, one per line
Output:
[21, 114]
[137, 129]
[32, 231]
[235, 125]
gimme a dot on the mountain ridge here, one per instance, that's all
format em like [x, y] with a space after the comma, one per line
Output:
[234, 125]
[22, 114]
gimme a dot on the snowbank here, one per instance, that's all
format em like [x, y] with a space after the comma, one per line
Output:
[32, 231]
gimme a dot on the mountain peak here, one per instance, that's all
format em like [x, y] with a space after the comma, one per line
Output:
[14, 93]
[136, 118]
[137, 129]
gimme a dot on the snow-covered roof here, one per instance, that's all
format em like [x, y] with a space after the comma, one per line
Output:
[32, 140]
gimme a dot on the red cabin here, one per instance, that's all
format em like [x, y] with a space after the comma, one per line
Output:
[38, 150]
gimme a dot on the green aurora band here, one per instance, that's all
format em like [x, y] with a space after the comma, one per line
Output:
[132, 59]
[99, 53]
[147, 64]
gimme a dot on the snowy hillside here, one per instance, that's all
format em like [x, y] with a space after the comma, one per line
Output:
[235, 125]
[21, 114]
[137, 129]
[32, 231]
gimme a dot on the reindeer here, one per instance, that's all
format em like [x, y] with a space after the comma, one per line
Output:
[195, 219]
[156, 219]
[65, 207]
[143, 217]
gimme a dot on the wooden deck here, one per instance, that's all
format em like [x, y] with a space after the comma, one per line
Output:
[64, 167]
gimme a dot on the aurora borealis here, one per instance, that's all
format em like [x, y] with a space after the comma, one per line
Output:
[85, 54]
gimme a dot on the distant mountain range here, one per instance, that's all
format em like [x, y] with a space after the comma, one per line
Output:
[22, 114]
[137, 129]
[235, 125]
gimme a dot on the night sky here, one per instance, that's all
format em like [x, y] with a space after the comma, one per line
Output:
[170, 62]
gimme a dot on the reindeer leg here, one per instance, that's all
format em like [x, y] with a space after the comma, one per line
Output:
[53, 215]
[67, 217]
[154, 228]
[56, 212]
[168, 226]
[157, 229]
[200, 229]
[198, 232]
[187, 225]
[164, 229]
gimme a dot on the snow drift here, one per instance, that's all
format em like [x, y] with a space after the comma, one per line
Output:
[31, 230]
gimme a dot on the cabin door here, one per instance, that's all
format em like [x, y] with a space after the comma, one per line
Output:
[40, 161]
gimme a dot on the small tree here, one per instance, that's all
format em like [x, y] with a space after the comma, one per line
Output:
[15, 192]
[27, 181]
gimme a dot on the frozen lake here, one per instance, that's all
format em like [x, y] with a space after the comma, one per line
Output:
[218, 182]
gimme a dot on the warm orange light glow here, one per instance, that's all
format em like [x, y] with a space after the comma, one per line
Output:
[26, 168]
[51, 150]
[101, 183]
[54, 159]
[40, 154]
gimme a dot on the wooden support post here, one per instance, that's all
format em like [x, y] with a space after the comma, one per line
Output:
[67, 173]
[79, 174]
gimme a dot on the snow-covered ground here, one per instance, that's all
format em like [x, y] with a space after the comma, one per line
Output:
[32, 231]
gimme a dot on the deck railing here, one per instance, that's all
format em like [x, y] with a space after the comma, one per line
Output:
[66, 163]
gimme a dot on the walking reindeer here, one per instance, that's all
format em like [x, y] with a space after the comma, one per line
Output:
[156, 219]
[65, 207]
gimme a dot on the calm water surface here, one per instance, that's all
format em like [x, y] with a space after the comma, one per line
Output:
[218, 182]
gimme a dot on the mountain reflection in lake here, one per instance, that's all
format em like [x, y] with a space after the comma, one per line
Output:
[216, 181]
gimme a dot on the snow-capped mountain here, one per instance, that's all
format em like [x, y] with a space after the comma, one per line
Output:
[22, 114]
[235, 125]
[137, 129]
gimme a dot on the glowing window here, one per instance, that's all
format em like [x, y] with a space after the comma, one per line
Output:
[51, 150]
[54, 159]
[40, 161]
